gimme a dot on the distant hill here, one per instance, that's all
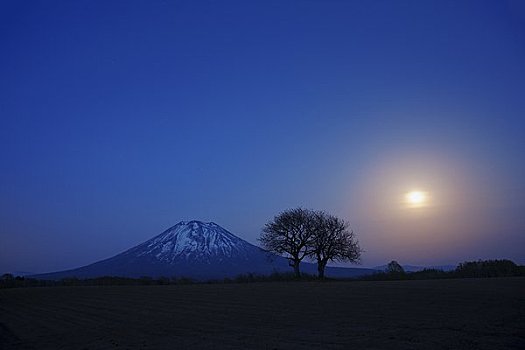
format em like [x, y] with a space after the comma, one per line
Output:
[414, 268]
[19, 273]
[195, 250]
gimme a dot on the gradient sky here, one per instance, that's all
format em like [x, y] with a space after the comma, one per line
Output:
[121, 118]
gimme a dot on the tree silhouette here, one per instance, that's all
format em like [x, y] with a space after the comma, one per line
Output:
[488, 268]
[394, 267]
[290, 233]
[332, 241]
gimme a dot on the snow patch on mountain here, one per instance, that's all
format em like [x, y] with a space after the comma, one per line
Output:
[194, 241]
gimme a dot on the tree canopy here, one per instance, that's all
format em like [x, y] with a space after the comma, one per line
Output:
[299, 233]
[333, 241]
[290, 233]
[394, 267]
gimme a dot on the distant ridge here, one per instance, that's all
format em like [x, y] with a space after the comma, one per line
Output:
[19, 273]
[197, 250]
[415, 268]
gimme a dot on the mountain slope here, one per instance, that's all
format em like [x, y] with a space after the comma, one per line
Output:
[196, 250]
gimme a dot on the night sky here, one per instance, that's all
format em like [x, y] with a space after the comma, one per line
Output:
[121, 118]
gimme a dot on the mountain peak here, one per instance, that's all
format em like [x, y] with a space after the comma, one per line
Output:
[196, 223]
[191, 241]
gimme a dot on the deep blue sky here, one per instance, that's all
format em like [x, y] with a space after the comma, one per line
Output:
[121, 118]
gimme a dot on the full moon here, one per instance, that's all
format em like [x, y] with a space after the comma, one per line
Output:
[416, 199]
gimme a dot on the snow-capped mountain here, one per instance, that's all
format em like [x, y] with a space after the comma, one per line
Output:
[196, 250]
[197, 242]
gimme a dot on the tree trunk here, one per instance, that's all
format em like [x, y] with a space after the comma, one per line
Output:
[321, 264]
[296, 270]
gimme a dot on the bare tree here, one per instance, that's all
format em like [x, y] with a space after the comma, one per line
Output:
[333, 241]
[289, 233]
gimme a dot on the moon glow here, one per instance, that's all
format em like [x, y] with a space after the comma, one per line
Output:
[416, 199]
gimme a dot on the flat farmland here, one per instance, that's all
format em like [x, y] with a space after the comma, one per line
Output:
[433, 314]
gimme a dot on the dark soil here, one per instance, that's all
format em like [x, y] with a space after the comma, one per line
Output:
[434, 314]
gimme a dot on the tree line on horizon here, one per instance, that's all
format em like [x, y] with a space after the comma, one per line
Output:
[467, 269]
[394, 271]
